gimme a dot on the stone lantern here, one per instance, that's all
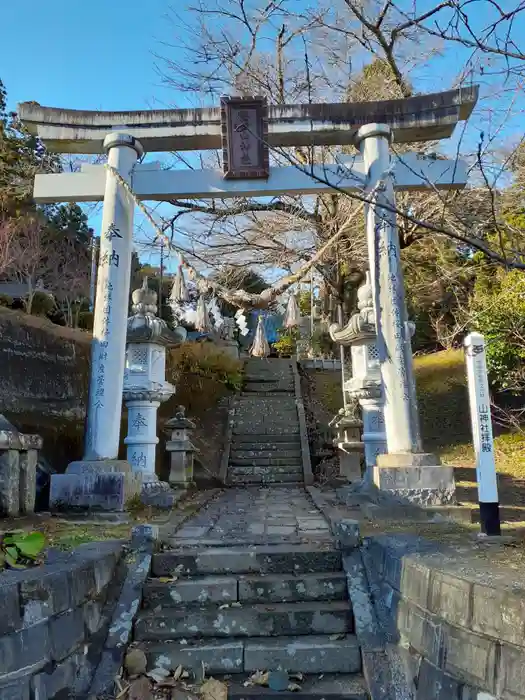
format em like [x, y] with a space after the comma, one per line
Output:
[18, 465]
[365, 384]
[178, 429]
[348, 425]
[145, 385]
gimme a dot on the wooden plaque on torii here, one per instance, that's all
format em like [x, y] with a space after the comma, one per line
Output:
[244, 131]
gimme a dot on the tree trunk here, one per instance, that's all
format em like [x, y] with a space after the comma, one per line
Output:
[30, 296]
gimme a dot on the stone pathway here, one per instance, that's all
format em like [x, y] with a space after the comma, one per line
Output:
[257, 515]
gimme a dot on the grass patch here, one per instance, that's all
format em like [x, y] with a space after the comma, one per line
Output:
[67, 536]
[445, 419]
[328, 390]
[509, 449]
[443, 399]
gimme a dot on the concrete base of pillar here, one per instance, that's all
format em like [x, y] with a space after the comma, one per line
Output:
[158, 494]
[418, 478]
[104, 485]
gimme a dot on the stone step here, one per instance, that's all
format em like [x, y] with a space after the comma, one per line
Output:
[264, 469]
[263, 387]
[340, 686]
[261, 408]
[274, 588]
[246, 398]
[280, 559]
[260, 480]
[247, 428]
[267, 418]
[269, 395]
[199, 590]
[268, 376]
[266, 461]
[263, 438]
[284, 588]
[270, 620]
[257, 470]
[294, 445]
[314, 654]
[253, 404]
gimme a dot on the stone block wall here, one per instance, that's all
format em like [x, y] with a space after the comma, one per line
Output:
[457, 621]
[43, 367]
[55, 620]
[44, 372]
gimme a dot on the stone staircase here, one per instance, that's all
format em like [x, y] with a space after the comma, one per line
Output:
[266, 443]
[234, 610]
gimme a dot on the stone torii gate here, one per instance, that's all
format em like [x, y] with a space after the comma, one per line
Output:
[125, 136]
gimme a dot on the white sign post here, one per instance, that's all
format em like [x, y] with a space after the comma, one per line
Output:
[479, 399]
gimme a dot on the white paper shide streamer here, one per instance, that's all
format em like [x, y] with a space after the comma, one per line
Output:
[242, 325]
[215, 312]
[292, 317]
[179, 291]
[260, 347]
[202, 318]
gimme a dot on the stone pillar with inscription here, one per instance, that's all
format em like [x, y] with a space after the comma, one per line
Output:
[111, 304]
[100, 481]
[405, 469]
[145, 388]
[479, 399]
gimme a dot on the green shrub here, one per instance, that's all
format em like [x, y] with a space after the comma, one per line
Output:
[287, 343]
[85, 320]
[42, 304]
[6, 300]
[202, 374]
[322, 344]
[499, 313]
[305, 303]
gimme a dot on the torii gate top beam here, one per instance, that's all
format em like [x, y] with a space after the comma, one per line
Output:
[419, 118]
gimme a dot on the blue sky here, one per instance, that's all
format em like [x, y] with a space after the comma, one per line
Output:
[99, 55]
[94, 54]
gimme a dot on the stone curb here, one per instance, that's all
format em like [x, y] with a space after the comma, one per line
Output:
[168, 530]
[138, 566]
[305, 447]
[228, 436]
[345, 531]
[377, 666]
[367, 627]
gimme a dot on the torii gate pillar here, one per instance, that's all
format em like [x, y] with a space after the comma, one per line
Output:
[100, 480]
[405, 469]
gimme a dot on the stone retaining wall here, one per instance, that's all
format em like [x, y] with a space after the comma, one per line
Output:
[43, 382]
[458, 621]
[43, 367]
[54, 621]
